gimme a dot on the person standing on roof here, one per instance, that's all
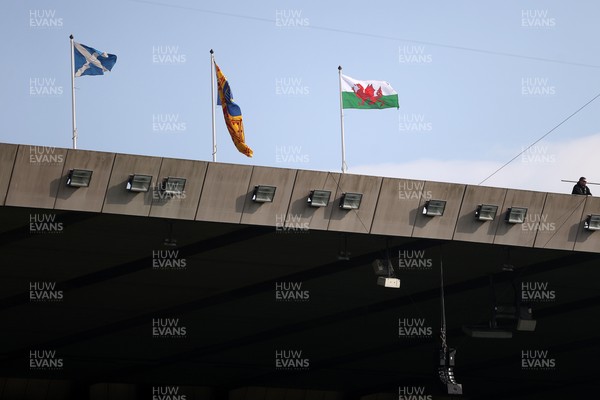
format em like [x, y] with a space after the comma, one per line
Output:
[581, 187]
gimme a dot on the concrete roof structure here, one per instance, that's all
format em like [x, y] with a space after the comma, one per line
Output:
[249, 284]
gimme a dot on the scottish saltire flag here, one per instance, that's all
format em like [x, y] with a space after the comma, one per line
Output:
[89, 61]
[232, 114]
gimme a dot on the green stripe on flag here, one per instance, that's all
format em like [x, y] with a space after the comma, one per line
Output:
[351, 100]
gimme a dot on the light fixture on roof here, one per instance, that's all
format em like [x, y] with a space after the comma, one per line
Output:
[505, 318]
[516, 215]
[79, 178]
[139, 183]
[434, 208]
[319, 198]
[592, 223]
[263, 194]
[386, 276]
[486, 212]
[525, 321]
[350, 201]
[384, 270]
[173, 186]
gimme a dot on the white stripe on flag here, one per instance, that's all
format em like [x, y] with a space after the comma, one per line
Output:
[90, 58]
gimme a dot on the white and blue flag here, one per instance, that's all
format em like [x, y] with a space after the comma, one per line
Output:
[89, 61]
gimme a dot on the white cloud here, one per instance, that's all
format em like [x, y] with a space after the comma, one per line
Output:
[540, 168]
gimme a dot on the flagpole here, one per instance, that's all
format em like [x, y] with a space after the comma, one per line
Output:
[73, 93]
[212, 102]
[342, 123]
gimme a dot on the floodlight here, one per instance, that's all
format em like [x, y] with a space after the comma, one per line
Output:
[386, 276]
[388, 282]
[350, 201]
[319, 198]
[592, 223]
[516, 215]
[139, 183]
[525, 321]
[263, 194]
[486, 212]
[172, 185]
[79, 178]
[434, 208]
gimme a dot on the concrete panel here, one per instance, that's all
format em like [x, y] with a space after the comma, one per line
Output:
[179, 206]
[360, 220]
[559, 222]
[468, 228]
[248, 393]
[14, 389]
[276, 394]
[384, 396]
[588, 240]
[224, 193]
[332, 396]
[294, 394]
[394, 214]
[265, 393]
[441, 227]
[299, 211]
[197, 393]
[323, 395]
[58, 390]
[269, 213]
[36, 177]
[7, 161]
[121, 201]
[85, 198]
[113, 391]
[519, 234]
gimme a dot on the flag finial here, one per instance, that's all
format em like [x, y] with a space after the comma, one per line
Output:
[211, 51]
[339, 67]
[71, 36]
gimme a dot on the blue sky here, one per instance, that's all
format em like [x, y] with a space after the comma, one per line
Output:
[477, 82]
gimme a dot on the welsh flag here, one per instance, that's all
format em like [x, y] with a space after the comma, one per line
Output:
[367, 94]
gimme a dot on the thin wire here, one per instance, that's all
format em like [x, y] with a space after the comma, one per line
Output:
[339, 187]
[540, 139]
[373, 35]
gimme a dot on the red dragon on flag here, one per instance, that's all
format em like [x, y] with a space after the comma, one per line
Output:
[369, 95]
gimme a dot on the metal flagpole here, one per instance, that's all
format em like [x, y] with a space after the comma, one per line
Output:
[212, 102]
[73, 93]
[589, 183]
[342, 123]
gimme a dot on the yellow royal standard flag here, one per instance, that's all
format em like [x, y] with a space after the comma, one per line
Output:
[232, 114]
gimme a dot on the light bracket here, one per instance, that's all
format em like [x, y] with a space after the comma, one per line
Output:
[139, 183]
[79, 177]
[350, 201]
[516, 215]
[434, 208]
[486, 212]
[592, 223]
[173, 185]
[263, 194]
[319, 198]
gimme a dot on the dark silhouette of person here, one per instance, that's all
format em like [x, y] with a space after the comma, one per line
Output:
[581, 187]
